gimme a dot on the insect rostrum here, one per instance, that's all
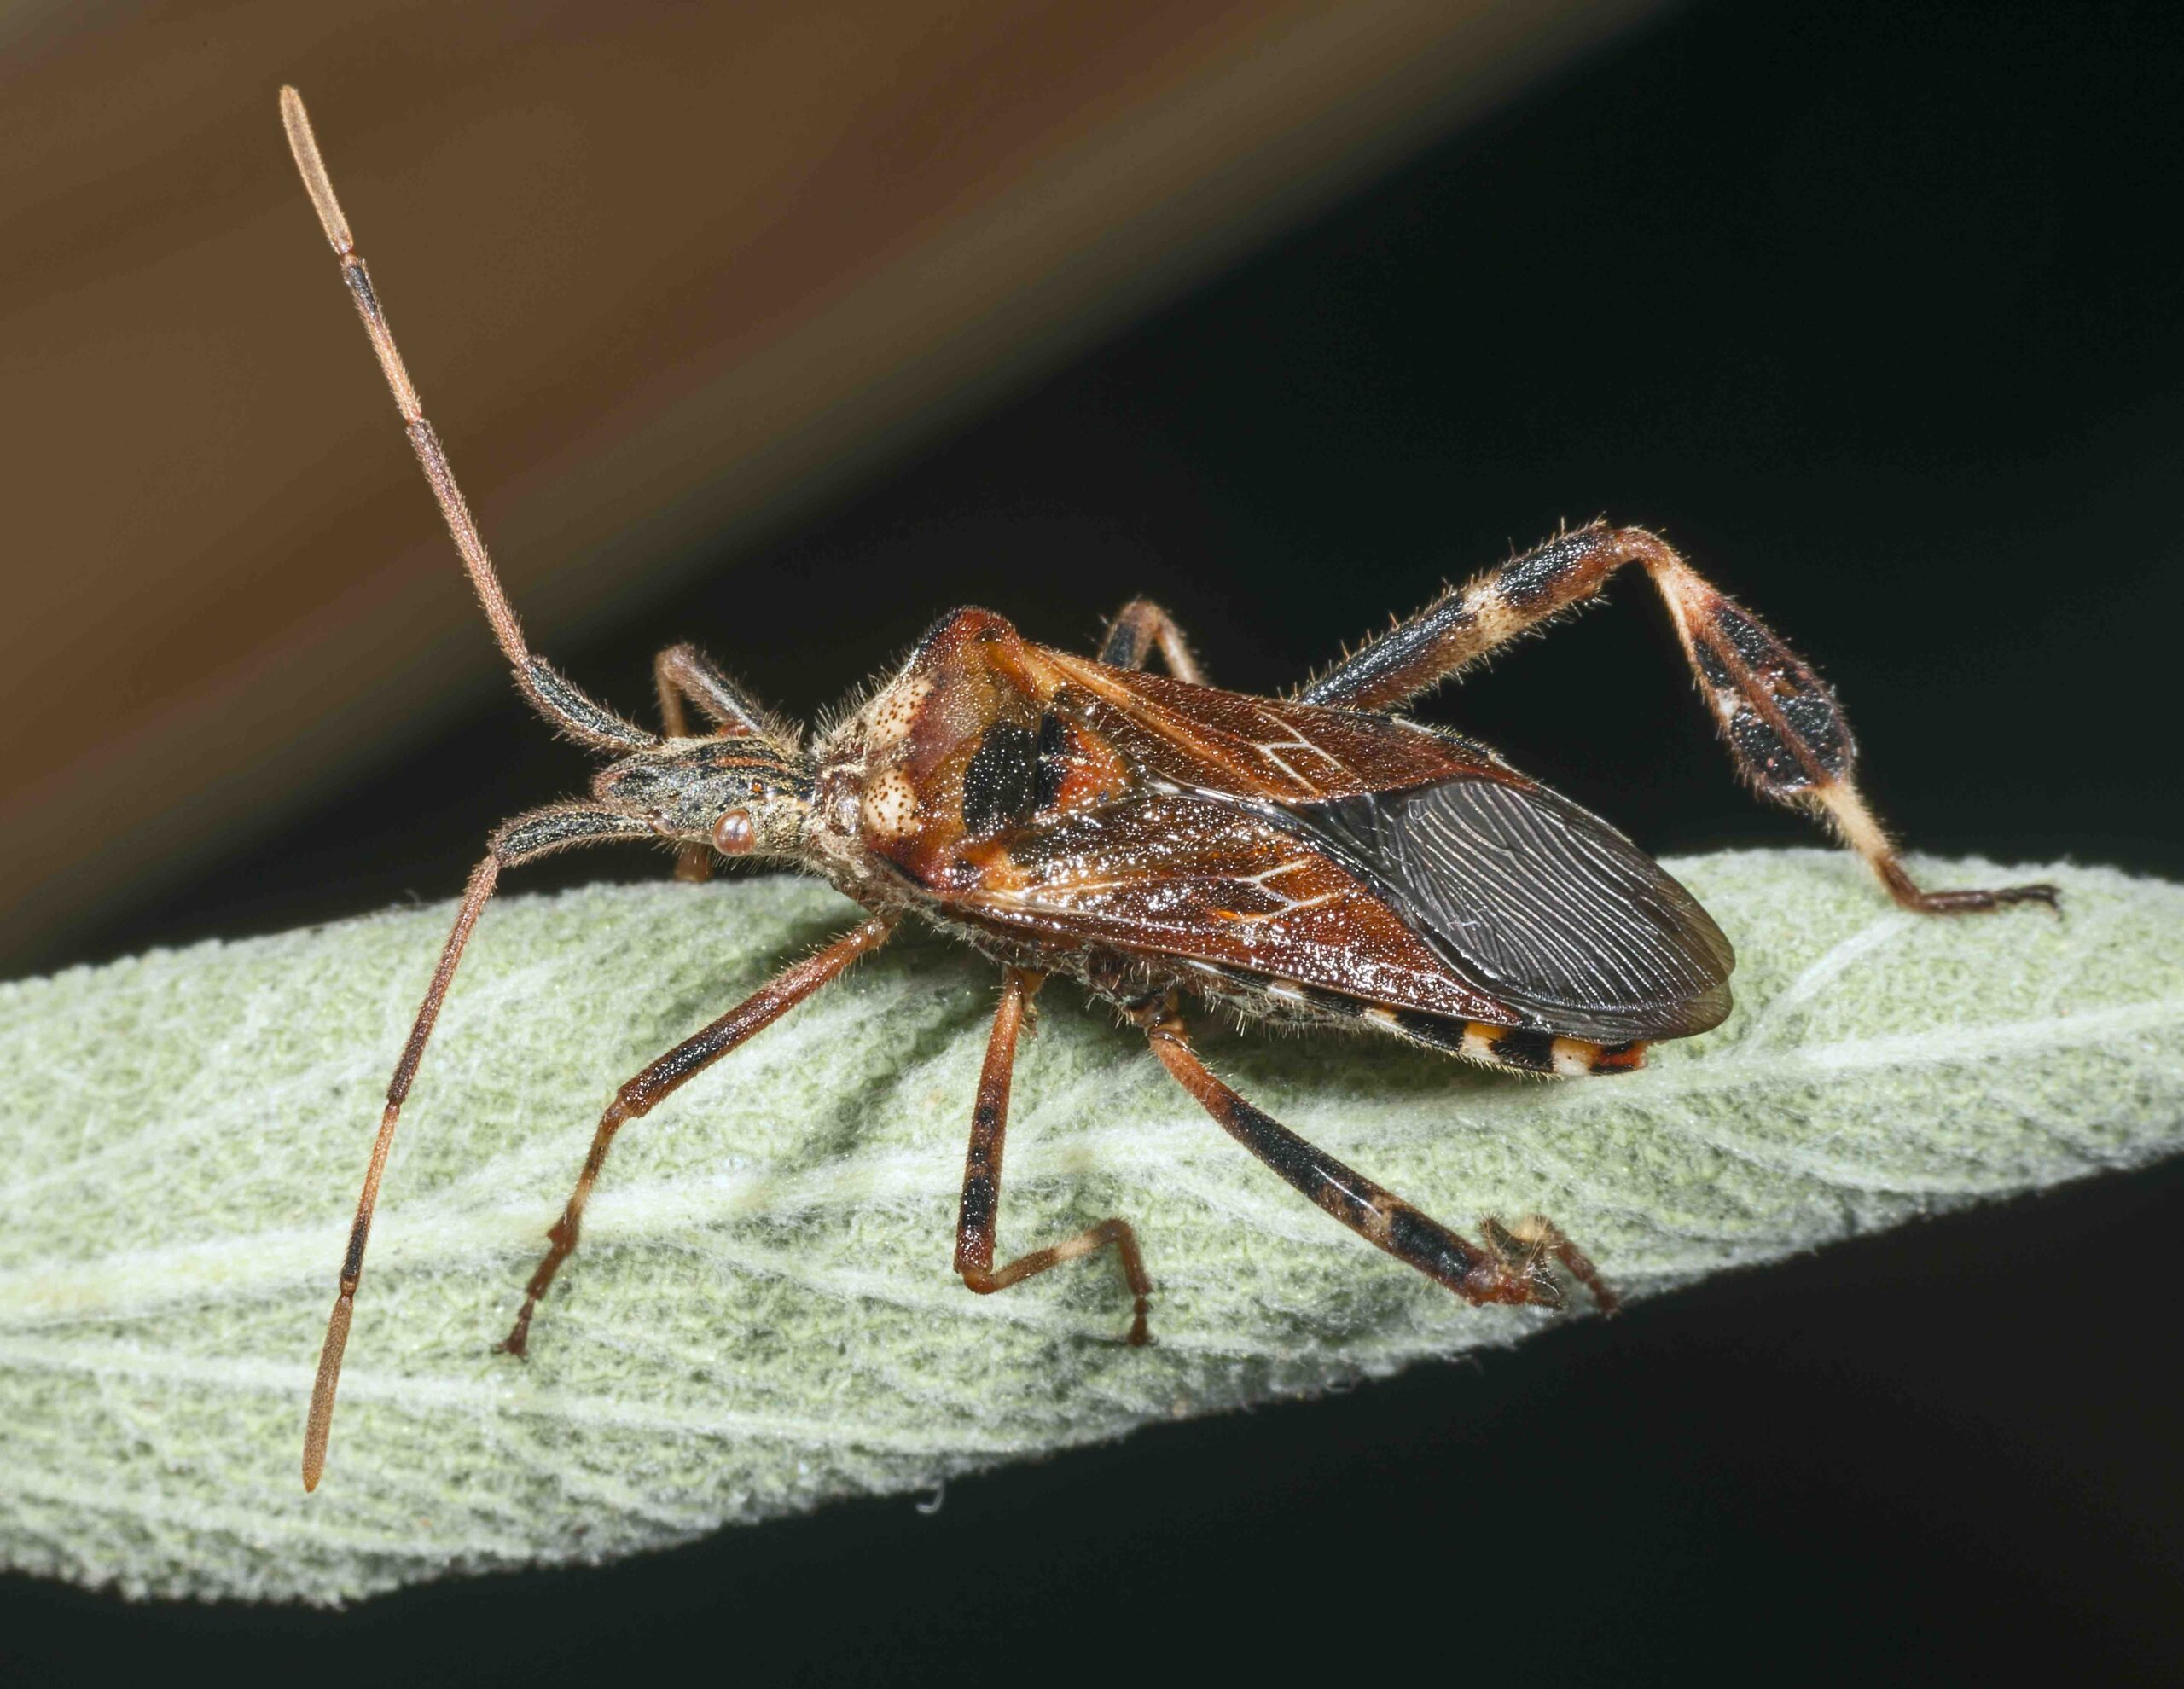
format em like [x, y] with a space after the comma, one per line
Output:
[1316, 859]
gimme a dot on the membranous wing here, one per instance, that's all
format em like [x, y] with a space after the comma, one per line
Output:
[1362, 854]
[1537, 902]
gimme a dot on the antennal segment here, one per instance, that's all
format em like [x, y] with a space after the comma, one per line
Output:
[550, 693]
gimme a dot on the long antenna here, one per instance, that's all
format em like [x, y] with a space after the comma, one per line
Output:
[475, 559]
[538, 834]
[550, 693]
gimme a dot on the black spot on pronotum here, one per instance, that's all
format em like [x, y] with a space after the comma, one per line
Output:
[1053, 748]
[1001, 779]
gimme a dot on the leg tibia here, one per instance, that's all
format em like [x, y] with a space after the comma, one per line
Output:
[640, 1095]
[1516, 1272]
[1783, 727]
[976, 1216]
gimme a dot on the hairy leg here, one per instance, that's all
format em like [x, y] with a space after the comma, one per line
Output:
[683, 673]
[1785, 731]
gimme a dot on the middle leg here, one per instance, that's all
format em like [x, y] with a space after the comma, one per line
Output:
[975, 1219]
[1141, 628]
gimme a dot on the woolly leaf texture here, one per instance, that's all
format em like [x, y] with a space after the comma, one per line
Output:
[762, 1316]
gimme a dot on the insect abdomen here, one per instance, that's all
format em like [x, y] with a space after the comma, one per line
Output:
[1515, 1049]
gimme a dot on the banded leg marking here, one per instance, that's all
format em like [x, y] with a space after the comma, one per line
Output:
[1510, 1268]
[663, 1077]
[1783, 727]
[975, 1220]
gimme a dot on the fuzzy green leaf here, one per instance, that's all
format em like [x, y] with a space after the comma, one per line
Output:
[762, 1316]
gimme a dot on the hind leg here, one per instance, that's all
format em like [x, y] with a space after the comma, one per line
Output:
[1511, 1266]
[1785, 731]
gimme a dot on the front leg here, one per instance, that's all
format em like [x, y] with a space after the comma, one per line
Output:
[666, 1075]
[1785, 731]
[975, 1218]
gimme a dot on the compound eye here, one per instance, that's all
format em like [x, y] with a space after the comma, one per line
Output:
[734, 835]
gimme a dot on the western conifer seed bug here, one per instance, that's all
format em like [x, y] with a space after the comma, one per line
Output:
[1318, 859]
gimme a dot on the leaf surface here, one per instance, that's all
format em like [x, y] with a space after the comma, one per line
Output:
[762, 1315]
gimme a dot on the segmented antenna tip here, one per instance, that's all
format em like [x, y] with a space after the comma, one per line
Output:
[320, 1424]
[312, 168]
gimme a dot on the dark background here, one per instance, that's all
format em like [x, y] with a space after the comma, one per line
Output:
[1874, 309]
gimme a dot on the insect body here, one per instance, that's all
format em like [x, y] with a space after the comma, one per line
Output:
[1315, 859]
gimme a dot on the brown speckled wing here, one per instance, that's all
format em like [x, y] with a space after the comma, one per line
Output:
[1187, 878]
[1361, 853]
